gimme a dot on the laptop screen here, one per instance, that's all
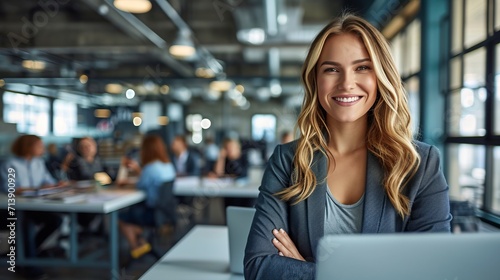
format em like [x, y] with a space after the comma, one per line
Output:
[472, 256]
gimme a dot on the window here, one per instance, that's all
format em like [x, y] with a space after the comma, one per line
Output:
[466, 172]
[473, 104]
[264, 127]
[475, 21]
[29, 112]
[497, 91]
[406, 52]
[65, 118]
[496, 180]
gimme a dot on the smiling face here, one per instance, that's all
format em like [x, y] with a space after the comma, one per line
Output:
[346, 81]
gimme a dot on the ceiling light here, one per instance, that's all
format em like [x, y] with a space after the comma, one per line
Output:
[137, 121]
[113, 88]
[130, 93]
[254, 36]
[102, 113]
[84, 79]
[164, 89]
[33, 64]
[163, 120]
[183, 46]
[133, 6]
[240, 88]
[223, 85]
[202, 72]
[205, 123]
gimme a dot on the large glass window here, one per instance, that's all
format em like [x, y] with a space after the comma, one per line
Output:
[412, 88]
[467, 172]
[30, 113]
[496, 180]
[457, 27]
[65, 118]
[406, 51]
[470, 137]
[466, 116]
[497, 91]
[475, 21]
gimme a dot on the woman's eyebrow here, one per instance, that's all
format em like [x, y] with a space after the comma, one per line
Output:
[328, 62]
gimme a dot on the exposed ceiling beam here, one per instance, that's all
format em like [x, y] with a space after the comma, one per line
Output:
[132, 26]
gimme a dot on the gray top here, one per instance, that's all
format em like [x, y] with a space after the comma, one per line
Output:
[341, 218]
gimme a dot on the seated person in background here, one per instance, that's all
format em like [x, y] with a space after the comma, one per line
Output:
[231, 161]
[286, 137]
[186, 161]
[30, 173]
[234, 164]
[125, 175]
[85, 164]
[157, 169]
[54, 161]
[210, 154]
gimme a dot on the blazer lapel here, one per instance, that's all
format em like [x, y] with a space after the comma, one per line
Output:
[375, 197]
[315, 204]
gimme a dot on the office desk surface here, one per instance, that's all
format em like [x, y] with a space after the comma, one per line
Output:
[206, 187]
[202, 254]
[102, 202]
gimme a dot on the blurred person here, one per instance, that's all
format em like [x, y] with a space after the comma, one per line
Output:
[186, 161]
[54, 161]
[31, 174]
[286, 137]
[156, 169]
[85, 163]
[210, 154]
[233, 163]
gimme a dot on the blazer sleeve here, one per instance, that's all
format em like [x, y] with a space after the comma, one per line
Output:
[261, 257]
[430, 210]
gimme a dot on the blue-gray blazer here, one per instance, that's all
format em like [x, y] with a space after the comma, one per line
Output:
[304, 222]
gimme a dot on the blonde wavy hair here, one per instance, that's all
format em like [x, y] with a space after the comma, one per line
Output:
[389, 135]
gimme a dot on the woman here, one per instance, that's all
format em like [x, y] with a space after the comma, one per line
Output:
[31, 174]
[157, 169]
[86, 163]
[355, 167]
[231, 161]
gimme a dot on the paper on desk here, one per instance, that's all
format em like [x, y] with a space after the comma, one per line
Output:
[187, 182]
[102, 196]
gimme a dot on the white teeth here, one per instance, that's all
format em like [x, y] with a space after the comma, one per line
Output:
[347, 99]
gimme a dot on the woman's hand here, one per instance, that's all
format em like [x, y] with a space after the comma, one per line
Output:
[285, 245]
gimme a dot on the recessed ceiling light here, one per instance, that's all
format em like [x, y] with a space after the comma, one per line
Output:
[133, 6]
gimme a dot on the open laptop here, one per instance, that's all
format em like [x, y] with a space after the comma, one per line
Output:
[239, 221]
[429, 256]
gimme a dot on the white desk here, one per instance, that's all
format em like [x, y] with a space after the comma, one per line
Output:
[202, 254]
[206, 187]
[103, 202]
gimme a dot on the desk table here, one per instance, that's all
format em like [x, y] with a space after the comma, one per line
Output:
[202, 254]
[207, 187]
[103, 202]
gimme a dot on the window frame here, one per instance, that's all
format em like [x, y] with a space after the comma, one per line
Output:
[489, 140]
